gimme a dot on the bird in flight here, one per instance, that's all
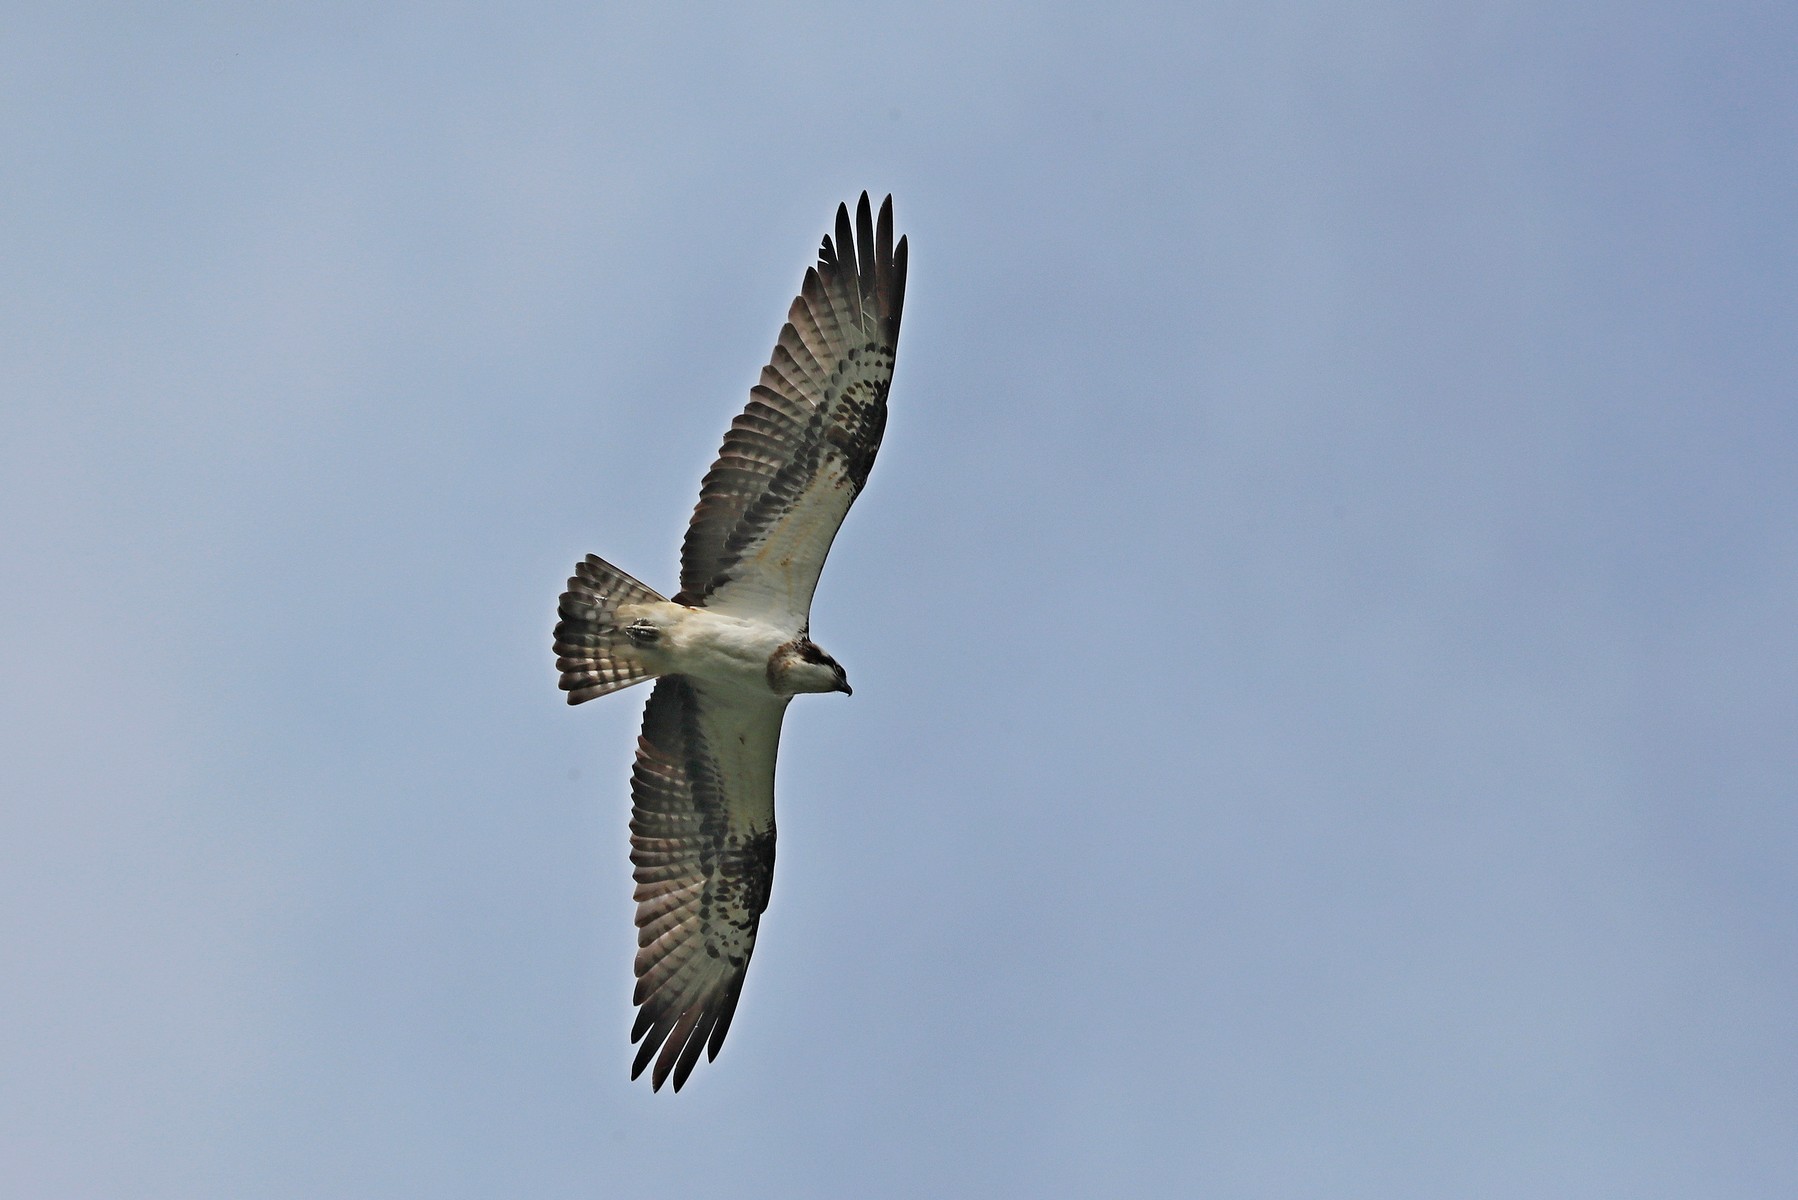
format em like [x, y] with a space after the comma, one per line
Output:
[734, 646]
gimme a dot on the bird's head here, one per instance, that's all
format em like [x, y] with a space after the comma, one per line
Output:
[802, 666]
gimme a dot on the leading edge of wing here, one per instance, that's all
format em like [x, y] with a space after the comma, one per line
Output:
[794, 460]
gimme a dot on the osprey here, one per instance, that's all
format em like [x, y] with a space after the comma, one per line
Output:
[734, 645]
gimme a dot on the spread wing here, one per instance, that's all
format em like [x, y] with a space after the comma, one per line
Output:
[794, 461]
[702, 841]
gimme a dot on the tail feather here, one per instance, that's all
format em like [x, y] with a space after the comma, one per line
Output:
[593, 652]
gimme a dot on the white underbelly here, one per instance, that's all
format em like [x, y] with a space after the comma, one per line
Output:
[730, 651]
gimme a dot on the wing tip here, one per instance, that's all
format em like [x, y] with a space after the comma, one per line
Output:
[863, 243]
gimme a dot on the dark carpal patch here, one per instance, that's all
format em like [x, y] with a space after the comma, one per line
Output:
[859, 423]
[745, 879]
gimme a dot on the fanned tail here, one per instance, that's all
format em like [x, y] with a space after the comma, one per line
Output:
[595, 654]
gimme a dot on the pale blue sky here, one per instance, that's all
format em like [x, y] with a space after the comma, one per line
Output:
[1323, 620]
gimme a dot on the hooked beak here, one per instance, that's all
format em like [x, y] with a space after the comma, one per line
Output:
[843, 687]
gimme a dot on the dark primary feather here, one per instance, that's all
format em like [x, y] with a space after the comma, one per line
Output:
[796, 458]
[702, 843]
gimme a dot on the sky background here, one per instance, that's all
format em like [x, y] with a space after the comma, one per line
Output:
[1324, 621]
